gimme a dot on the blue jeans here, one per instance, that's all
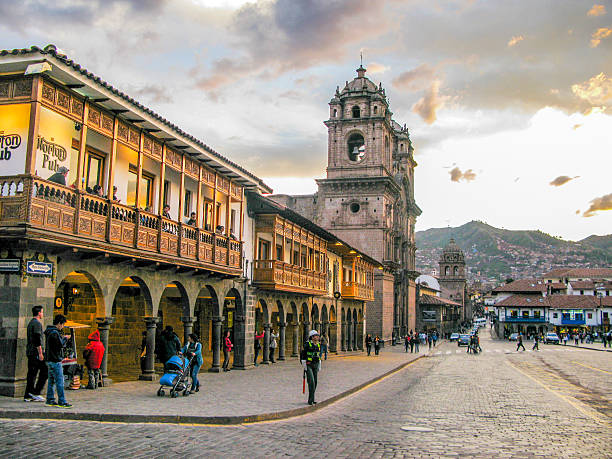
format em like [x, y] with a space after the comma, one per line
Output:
[195, 369]
[56, 378]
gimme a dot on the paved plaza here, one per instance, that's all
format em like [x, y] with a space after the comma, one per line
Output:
[553, 403]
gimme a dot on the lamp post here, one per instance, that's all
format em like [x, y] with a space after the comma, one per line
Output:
[600, 290]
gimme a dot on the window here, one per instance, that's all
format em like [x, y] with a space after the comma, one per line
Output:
[446, 271]
[589, 315]
[146, 188]
[354, 207]
[525, 314]
[187, 203]
[233, 222]
[279, 252]
[335, 112]
[208, 216]
[264, 250]
[455, 271]
[536, 314]
[94, 170]
[375, 109]
[514, 313]
[166, 199]
[555, 315]
[356, 112]
[356, 147]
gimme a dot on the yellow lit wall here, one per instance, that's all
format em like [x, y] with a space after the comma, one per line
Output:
[14, 125]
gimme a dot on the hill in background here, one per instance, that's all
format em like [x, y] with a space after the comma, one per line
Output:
[494, 254]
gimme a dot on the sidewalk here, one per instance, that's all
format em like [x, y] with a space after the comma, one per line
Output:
[263, 393]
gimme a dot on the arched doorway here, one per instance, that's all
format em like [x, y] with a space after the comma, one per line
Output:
[261, 319]
[206, 307]
[333, 330]
[342, 330]
[355, 331]
[132, 303]
[232, 305]
[293, 337]
[315, 323]
[305, 324]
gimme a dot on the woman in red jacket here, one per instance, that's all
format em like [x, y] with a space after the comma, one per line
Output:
[93, 353]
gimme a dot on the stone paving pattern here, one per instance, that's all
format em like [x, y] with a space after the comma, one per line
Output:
[475, 406]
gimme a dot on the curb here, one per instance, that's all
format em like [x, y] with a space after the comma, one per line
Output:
[587, 348]
[201, 420]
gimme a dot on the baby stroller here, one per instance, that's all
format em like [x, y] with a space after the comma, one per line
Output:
[175, 376]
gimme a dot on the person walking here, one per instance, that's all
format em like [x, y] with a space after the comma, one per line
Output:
[272, 346]
[36, 358]
[54, 350]
[376, 345]
[417, 340]
[192, 350]
[565, 338]
[311, 363]
[257, 346]
[227, 348]
[368, 343]
[93, 354]
[536, 340]
[435, 338]
[406, 342]
[576, 339]
[429, 340]
[519, 342]
[324, 347]
[411, 342]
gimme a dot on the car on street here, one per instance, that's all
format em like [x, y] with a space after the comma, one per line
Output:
[551, 337]
[454, 337]
[463, 340]
[513, 337]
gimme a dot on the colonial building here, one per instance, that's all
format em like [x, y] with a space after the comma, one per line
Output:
[452, 278]
[96, 200]
[433, 311]
[367, 198]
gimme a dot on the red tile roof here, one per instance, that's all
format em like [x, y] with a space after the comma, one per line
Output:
[588, 273]
[582, 285]
[573, 301]
[429, 299]
[522, 286]
[532, 301]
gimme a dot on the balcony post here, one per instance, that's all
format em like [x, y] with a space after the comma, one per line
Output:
[113, 158]
[281, 340]
[160, 195]
[199, 222]
[215, 215]
[148, 372]
[36, 96]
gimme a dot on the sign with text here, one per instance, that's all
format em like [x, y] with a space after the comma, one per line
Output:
[41, 268]
[14, 123]
[10, 265]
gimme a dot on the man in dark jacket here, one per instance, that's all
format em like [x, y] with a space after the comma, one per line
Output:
[60, 176]
[54, 346]
[310, 361]
[169, 344]
[36, 359]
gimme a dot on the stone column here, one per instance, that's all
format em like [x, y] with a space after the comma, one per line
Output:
[343, 336]
[104, 324]
[349, 335]
[239, 342]
[355, 348]
[149, 371]
[317, 327]
[216, 344]
[281, 340]
[266, 345]
[306, 331]
[296, 340]
[187, 326]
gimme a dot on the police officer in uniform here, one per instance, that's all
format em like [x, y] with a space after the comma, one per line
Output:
[310, 360]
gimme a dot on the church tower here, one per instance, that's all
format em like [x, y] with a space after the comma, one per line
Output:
[452, 278]
[367, 198]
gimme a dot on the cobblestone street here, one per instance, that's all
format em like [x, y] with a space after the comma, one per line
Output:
[551, 403]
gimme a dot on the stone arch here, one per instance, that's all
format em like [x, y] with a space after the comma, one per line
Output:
[455, 271]
[262, 314]
[314, 314]
[324, 316]
[85, 278]
[355, 331]
[206, 307]
[356, 111]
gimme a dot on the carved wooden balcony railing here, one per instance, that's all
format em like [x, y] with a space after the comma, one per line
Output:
[356, 291]
[63, 212]
[278, 275]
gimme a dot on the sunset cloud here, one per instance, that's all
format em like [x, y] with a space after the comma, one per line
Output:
[427, 105]
[597, 90]
[416, 79]
[562, 180]
[597, 10]
[375, 67]
[599, 204]
[598, 35]
[456, 175]
[514, 40]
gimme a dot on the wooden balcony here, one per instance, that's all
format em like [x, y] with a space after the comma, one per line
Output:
[278, 275]
[356, 291]
[54, 213]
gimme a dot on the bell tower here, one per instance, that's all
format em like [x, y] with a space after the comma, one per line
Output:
[359, 130]
[452, 276]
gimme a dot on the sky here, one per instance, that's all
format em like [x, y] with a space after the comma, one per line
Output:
[508, 103]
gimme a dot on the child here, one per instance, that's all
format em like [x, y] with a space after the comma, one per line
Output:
[93, 353]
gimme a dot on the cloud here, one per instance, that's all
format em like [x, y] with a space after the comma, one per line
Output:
[576, 126]
[562, 180]
[599, 204]
[578, 212]
[598, 35]
[597, 90]
[275, 37]
[375, 67]
[597, 10]
[514, 40]
[416, 79]
[152, 92]
[456, 175]
[427, 106]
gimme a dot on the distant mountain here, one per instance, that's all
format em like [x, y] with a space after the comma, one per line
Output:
[494, 254]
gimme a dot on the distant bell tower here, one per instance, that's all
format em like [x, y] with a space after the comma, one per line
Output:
[452, 278]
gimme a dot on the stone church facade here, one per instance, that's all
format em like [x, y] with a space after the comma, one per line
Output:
[452, 278]
[367, 198]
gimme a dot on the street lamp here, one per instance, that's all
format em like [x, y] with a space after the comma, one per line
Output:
[600, 291]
